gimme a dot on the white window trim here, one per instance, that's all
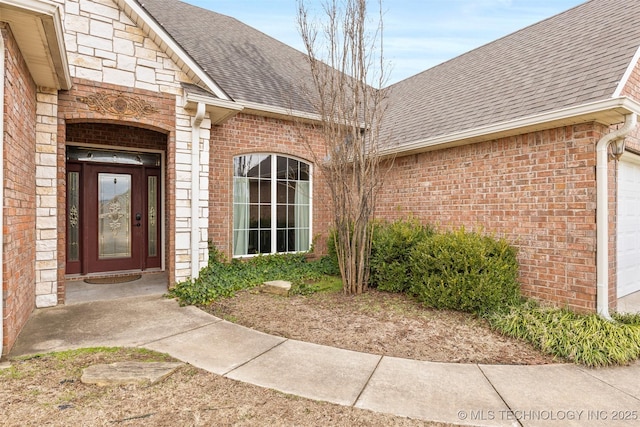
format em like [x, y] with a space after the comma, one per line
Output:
[274, 204]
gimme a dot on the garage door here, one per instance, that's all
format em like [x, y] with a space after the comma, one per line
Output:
[628, 225]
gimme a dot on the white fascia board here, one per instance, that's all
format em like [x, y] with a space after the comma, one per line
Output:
[214, 102]
[220, 110]
[37, 6]
[600, 111]
[51, 19]
[132, 7]
[279, 112]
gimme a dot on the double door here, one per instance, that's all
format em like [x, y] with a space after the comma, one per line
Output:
[113, 218]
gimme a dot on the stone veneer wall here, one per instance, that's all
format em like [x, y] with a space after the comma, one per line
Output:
[46, 198]
[19, 197]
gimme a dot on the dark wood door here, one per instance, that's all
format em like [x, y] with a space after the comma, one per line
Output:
[114, 237]
[117, 217]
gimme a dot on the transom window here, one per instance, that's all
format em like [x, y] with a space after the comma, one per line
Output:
[271, 204]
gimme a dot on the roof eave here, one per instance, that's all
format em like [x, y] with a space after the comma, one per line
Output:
[608, 112]
[220, 110]
[47, 61]
[279, 112]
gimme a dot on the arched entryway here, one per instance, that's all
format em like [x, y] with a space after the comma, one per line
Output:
[114, 198]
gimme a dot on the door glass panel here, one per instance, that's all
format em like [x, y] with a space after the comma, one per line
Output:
[114, 220]
[73, 216]
[152, 215]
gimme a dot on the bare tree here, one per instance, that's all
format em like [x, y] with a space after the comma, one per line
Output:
[348, 74]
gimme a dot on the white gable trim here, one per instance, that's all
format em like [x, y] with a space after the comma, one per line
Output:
[143, 20]
[625, 77]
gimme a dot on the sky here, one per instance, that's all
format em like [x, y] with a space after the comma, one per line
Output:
[418, 34]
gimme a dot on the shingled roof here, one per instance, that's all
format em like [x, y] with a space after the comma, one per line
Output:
[572, 58]
[248, 64]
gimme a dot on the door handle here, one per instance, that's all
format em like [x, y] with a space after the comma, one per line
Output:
[138, 216]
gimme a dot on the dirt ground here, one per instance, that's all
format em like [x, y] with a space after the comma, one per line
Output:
[380, 323]
[46, 390]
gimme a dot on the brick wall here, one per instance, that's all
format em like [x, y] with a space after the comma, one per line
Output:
[115, 135]
[19, 191]
[154, 131]
[537, 190]
[254, 134]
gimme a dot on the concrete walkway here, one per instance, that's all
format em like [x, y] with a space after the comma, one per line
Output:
[467, 394]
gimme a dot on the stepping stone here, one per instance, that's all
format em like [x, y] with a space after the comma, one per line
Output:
[277, 287]
[121, 373]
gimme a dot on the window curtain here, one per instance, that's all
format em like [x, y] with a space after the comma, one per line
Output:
[240, 215]
[302, 215]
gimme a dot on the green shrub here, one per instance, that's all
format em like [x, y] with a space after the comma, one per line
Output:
[627, 318]
[391, 246]
[221, 279]
[465, 271]
[587, 339]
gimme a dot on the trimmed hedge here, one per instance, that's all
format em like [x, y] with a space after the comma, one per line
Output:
[465, 271]
[391, 247]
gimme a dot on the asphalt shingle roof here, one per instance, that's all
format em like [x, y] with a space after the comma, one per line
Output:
[246, 63]
[573, 58]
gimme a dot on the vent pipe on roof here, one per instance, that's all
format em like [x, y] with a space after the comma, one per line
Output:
[195, 190]
[602, 208]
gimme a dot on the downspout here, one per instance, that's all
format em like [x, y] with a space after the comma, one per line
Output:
[195, 190]
[602, 209]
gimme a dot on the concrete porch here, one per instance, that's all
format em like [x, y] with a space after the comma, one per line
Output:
[78, 291]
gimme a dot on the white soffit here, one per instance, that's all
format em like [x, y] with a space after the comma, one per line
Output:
[37, 27]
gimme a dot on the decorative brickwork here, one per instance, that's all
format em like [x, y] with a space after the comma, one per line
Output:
[19, 227]
[119, 105]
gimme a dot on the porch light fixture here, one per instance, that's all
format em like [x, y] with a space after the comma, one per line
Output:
[617, 148]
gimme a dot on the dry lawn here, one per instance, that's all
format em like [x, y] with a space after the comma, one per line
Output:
[46, 389]
[380, 323]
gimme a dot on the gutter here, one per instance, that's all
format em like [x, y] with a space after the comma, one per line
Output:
[602, 208]
[195, 190]
[607, 111]
[278, 112]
